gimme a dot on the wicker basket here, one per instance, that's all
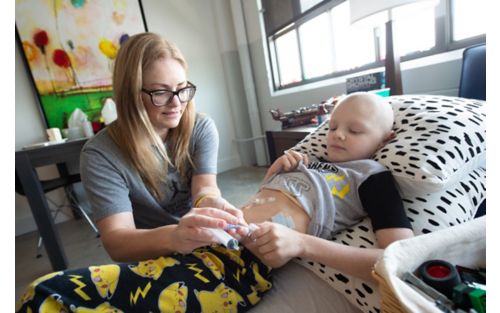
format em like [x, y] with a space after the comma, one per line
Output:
[390, 303]
[463, 244]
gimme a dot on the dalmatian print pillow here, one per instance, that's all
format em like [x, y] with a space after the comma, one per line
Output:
[427, 213]
[439, 140]
[438, 162]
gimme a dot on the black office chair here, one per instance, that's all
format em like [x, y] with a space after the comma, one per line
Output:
[473, 77]
[473, 84]
[53, 184]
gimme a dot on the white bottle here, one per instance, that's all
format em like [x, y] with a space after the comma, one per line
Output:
[108, 111]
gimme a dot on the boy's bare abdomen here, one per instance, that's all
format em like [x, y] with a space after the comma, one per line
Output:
[269, 203]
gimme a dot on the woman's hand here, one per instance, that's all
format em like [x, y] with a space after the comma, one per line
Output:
[222, 204]
[275, 244]
[192, 231]
[287, 162]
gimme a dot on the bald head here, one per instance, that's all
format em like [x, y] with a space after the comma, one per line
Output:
[360, 124]
[373, 106]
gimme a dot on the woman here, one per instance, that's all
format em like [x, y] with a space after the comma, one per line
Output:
[141, 175]
[143, 171]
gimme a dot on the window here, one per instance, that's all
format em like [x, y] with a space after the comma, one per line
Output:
[350, 53]
[287, 55]
[311, 40]
[307, 4]
[415, 29]
[316, 47]
[468, 19]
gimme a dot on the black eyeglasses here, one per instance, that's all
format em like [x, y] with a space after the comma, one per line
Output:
[161, 97]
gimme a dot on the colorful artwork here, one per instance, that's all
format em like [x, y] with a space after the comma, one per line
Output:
[69, 47]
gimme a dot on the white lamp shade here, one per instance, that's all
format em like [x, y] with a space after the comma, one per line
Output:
[364, 8]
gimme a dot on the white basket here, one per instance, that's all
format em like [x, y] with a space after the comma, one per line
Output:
[464, 245]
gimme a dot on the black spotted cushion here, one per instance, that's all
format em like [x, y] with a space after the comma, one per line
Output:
[427, 213]
[439, 141]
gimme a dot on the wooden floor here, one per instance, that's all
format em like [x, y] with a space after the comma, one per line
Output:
[84, 249]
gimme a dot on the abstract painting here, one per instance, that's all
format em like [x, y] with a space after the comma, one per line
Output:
[69, 47]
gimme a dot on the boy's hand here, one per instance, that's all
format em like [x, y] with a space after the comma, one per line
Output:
[275, 244]
[287, 162]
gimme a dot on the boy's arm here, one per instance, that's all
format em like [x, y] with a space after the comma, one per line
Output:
[287, 162]
[353, 261]
[275, 245]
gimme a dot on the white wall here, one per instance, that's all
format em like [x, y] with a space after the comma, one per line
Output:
[203, 31]
[29, 129]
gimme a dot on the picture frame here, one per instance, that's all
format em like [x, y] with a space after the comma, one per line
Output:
[68, 48]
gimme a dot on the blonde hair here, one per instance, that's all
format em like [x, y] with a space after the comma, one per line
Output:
[132, 131]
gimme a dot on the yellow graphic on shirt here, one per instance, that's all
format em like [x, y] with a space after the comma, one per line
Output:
[29, 294]
[153, 268]
[194, 267]
[335, 177]
[173, 299]
[335, 192]
[105, 279]
[222, 299]
[211, 261]
[75, 279]
[139, 292]
[341, 194]
[101, 308]
[51, 304]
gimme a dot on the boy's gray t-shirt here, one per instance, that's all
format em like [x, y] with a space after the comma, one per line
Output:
[328, 192]
[113, 186]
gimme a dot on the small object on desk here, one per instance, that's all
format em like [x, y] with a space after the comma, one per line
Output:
[54, 134]
[108, 111]
[87, 129]
[73, 132]
[304, 115]
[44, 144]
[366, 82]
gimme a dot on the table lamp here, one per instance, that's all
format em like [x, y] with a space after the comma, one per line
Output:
[363, 8]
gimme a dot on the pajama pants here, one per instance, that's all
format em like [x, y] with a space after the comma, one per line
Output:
[210, 279]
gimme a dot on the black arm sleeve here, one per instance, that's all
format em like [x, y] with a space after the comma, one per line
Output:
[382, 201]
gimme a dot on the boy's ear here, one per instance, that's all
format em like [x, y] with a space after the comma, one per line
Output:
[388, 137]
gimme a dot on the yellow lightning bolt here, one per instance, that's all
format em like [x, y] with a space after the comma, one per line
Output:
[341, 194]
[78, 290]
[198, 271]
[335, 177]
[139, 292]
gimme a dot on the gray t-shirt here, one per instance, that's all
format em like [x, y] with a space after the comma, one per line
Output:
[336, 196]
[113, 186]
